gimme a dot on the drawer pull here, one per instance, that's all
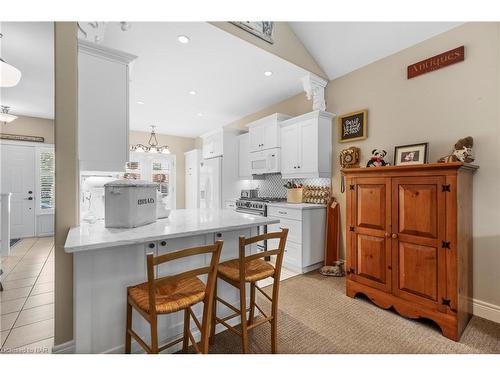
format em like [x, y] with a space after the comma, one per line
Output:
[282, 212]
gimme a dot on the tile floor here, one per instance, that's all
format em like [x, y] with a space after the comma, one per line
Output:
[27, 302]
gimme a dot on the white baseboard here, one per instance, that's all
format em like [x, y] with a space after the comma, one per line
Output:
[64, 348]
[486, 310]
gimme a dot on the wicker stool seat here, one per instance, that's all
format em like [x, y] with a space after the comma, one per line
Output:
[172, 293]
[255, 270]
[170, 297]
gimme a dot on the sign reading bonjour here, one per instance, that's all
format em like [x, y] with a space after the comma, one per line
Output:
[436, 62]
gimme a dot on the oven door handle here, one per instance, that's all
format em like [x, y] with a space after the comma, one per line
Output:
[243, 211]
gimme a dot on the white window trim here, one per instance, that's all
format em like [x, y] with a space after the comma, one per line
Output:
[38, 150]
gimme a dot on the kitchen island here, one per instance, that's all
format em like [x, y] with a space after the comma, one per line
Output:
[108, 260]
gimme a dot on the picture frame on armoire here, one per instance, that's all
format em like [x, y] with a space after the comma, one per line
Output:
[411, 154]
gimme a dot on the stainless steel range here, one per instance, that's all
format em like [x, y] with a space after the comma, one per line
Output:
[257, 206]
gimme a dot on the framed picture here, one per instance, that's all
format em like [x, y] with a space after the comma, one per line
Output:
[262, 29]
[352, 126]
[411, 154]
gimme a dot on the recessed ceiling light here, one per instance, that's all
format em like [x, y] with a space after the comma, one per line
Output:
[140, 102]
[192, 92]
[183, 39]
[199, 114]
[268, 73]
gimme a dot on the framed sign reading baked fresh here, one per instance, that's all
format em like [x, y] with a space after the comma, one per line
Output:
[352, 126]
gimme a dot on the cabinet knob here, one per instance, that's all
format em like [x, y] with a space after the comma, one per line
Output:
[295, 167]
[387, 235]
[394, 235]
[163, 243]
[151, 245]
[298, 166]
[219, 235]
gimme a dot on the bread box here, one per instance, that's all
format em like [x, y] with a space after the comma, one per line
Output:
[129, 203]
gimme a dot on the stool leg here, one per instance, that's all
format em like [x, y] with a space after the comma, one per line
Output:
[154, 334]
[214, 315]
[252, 304]
[274, 321]
[243, 311]
[187, 321]
[128, 338]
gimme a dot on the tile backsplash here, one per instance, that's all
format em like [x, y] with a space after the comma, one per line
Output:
[272, 185]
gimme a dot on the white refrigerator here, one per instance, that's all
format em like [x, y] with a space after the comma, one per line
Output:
[211, 183]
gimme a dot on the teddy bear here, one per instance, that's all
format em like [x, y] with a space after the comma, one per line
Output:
[377, 159]
[462, 152]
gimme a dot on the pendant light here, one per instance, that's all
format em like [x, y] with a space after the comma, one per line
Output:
[5, 116]
[152, 147]
[9, 75]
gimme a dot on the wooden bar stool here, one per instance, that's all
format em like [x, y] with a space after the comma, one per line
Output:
[173, 293]
[250, 269]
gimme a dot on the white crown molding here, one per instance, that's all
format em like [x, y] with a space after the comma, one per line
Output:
[314, 86]
[105, 52]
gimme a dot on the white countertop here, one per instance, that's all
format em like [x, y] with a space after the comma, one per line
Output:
[181, 223]
[297, 206]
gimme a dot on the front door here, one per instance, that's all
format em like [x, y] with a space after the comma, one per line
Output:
[418, 222]
[369, 230]
[18, 178]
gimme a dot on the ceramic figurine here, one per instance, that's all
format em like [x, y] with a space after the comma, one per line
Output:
[462, 152]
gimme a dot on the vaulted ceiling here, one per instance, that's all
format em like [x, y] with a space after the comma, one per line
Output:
[342, 47]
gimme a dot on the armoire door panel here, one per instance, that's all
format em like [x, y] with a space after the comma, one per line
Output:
[419, 227]
[371, 205]
[371, 258]
[418, 270]
[418, 209]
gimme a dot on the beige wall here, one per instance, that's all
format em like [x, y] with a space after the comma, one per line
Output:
[178, 146]
[438, 108]
[286, 45]
[66, 136]
[34, 126]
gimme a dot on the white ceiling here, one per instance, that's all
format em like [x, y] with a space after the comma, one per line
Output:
[29, 46]
[341, 47]
[226, 72]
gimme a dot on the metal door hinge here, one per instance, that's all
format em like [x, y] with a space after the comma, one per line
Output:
[446, 188]
[351, 187]
[446, 244]
[351, 228]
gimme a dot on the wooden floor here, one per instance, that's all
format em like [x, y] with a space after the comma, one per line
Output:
[27, 302]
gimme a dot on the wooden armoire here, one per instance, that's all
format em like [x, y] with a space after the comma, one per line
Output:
[409, 240]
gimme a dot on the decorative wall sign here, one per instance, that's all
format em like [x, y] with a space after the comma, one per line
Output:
[25, 138]
[262, 29]
[436, 62]
[352, 126]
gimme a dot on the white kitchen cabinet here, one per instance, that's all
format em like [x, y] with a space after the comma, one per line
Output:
[306, 146]
[103, 107]
[265, 132]
[215, 141]
[192, 178]
[305, 246]
[244, 170]
[213, 144]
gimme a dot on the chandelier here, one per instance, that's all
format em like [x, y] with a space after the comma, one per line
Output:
[9, 75]
[152, 147]
[5, 116]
